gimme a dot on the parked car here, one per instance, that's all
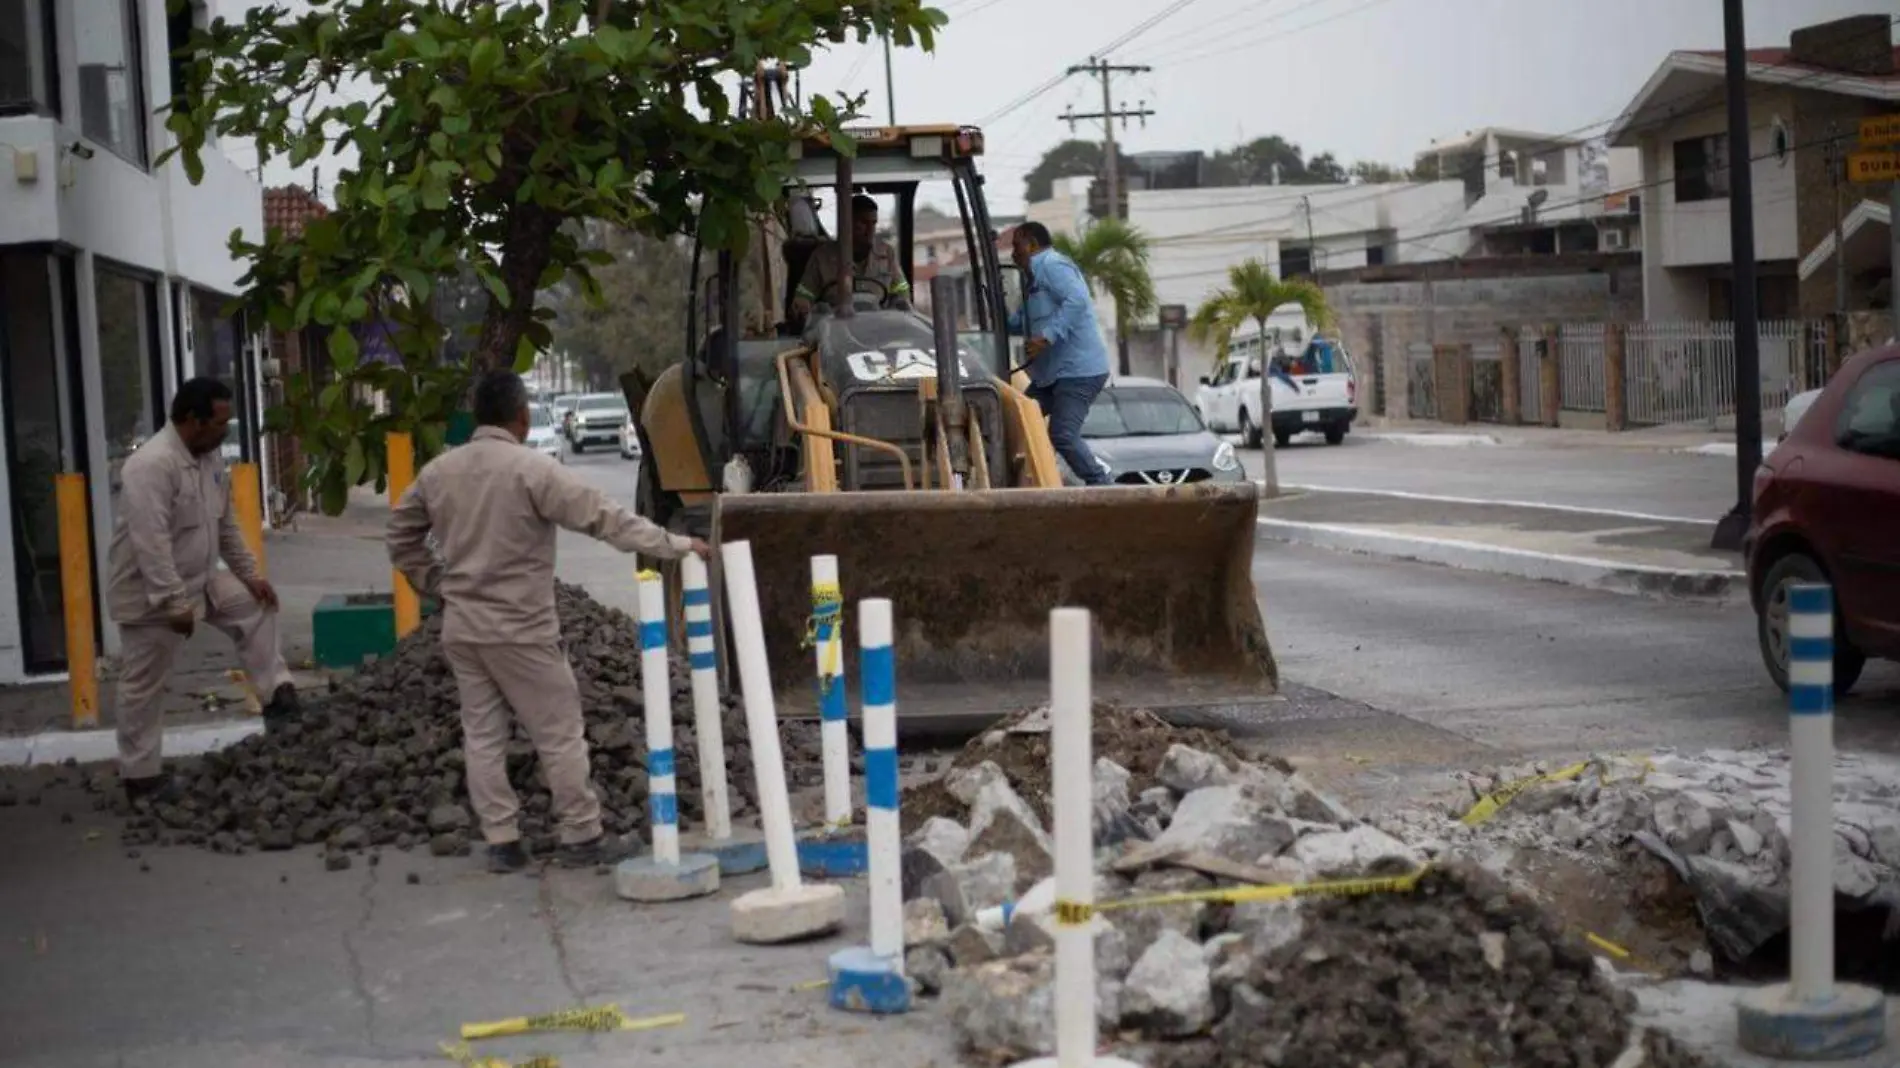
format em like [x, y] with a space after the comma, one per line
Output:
[543, 435]
[1144, 432]
[1314, 389]
[1827, 509]
[629, 439]
[596, 420]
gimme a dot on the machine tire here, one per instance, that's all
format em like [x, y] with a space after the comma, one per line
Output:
[1771, 624]
[1249, 434]
[1336, 434]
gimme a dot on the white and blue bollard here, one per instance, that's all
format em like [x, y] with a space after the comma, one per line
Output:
[1811, 1017]
[665, 875]
[836, 849]
[789, 910]
[871, 978]
[1072, 782]
[742, 853]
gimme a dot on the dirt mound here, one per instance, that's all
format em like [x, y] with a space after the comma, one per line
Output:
[1460, 972]
[379, 761]
[1135, 738]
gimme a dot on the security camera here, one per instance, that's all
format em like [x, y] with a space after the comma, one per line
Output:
[80, 149]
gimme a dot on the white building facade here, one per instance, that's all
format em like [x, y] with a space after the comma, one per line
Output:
[113, 277]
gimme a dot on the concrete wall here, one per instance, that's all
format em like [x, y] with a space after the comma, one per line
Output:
[1379, 320]
[1817, 116]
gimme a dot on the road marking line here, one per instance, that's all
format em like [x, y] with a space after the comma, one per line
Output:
[1373, 534]
[1571, 509]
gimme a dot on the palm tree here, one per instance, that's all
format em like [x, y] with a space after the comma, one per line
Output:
[1113, 256]
[1253, 294]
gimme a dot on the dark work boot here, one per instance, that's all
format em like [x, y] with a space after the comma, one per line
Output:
[285, 706]
[597, 851]
[506, 858]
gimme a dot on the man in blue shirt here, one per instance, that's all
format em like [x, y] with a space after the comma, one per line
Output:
[1066, 359]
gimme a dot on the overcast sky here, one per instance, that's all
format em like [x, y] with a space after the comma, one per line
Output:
[1364, 79]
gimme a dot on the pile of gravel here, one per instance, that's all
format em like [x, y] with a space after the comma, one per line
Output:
[378, 761]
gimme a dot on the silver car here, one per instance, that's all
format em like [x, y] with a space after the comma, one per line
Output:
[1145, 433]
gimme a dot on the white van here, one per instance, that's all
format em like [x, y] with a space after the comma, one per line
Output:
[1314, 387]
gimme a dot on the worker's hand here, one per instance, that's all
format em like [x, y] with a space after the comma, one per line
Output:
[183, 621]
[262, 592]
[1035, 347]
[701, 549]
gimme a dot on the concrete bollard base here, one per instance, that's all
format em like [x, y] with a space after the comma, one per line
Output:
[862, 981]
[648, 879]
[1773, 1023]
[741, 854]
[770, 916]
[833, 853]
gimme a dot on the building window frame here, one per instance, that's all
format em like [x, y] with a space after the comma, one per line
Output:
[43, 98]
[139, 151]
[1702, 166]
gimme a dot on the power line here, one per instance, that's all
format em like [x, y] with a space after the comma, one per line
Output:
[1111, 155]
[1227, 47]
[1154, 20]
[1043, 89]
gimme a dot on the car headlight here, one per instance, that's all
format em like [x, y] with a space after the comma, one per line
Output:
[1224, 458]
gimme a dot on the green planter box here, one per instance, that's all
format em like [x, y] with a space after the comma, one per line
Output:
[347, 628]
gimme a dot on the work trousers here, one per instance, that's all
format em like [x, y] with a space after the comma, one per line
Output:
[537, 684]
[1066, 402]
[146, 653]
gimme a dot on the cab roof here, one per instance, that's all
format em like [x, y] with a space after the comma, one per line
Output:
[887, 154]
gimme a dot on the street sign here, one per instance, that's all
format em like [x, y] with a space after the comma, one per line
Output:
[1880, 132]
[1174, 316]
[1873, 167]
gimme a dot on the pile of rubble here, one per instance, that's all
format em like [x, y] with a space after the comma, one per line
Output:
[1457, 970]
[1720, 819]
[378, 761]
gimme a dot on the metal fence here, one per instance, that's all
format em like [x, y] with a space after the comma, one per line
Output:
[1421, 381]
[1581, 383]
[1684, 373]
[1487, 383]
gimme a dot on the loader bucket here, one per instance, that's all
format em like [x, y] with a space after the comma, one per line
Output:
[1165, 571]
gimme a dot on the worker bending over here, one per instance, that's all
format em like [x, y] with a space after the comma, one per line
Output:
[494, 507]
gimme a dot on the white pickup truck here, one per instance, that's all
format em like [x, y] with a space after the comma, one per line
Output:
[1314, 389]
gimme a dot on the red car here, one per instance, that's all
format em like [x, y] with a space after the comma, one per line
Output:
[1827, 509]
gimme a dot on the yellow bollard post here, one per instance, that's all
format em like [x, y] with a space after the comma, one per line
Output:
[247, 497]
[401, 464]
[75, 582]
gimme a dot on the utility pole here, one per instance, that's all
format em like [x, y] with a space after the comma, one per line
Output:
[1102, 69]
[1741, 223]
[890, 83]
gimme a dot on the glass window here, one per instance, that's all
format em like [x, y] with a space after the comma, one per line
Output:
[1701, 168]
[217, 347]
[40, 439]
[539, 416]
[128, 365]
[1139, 412]
[1870, 421]
[111, 101]
[29, 74]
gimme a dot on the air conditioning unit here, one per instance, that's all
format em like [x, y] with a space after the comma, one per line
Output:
[1615, 239]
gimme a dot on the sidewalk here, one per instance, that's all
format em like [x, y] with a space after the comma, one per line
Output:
[1628, 552]
[1687, 439]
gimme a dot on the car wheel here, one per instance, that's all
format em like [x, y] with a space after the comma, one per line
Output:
[1282, 438]
[578, 448]
[1336, 434]
[1771, 624]
[1249, 433]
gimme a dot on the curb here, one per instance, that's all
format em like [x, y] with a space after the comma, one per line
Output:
[1443, 441]
[1703, 586]
[95, 746]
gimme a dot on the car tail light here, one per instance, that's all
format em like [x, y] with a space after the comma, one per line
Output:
[1352, 391]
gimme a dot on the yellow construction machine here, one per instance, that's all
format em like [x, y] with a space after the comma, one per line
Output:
[907, 447]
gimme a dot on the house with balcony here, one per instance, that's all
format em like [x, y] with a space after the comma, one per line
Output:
[1805, 104]
[114, 273]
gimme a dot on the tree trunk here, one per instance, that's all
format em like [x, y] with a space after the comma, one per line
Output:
[1270, 473]
[524, 255]
[1121, 345]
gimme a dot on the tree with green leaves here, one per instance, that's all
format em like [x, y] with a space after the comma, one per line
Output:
[1113, 256]
[1070, 159]
[481, 131]
[1252, 295]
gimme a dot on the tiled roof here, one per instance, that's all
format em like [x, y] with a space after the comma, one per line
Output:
[288, 207]
[1778, 57]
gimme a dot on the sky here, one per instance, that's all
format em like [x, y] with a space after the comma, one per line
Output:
[1363, 79]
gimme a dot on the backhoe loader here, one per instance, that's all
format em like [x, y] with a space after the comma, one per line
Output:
[908, 447]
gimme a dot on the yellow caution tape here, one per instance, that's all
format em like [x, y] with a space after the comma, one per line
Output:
[1069, 913]
[1490, 804]
[827, 607]
[460, 1053]
[811, 984]
[1606, 945]
[646, 574]
[602, 1018]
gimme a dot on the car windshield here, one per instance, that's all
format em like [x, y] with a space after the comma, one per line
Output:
[538, 415]
[1140, 411]
[604, 402]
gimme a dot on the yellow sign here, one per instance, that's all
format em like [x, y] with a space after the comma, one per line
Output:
[1873, 167]
[1879, 132]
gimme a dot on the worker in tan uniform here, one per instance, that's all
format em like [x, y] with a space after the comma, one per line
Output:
[174, 523]
[494, 506]
[875, 261]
